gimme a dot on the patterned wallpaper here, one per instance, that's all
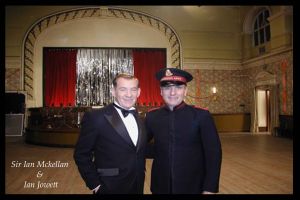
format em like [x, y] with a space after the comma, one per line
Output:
[12, 79]
[235, 87]
[274, 66]
[232, 93]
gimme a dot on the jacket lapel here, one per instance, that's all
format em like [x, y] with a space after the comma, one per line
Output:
[140, 133]
[114, 119]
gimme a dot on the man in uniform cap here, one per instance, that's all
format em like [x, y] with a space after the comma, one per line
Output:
[187, 151]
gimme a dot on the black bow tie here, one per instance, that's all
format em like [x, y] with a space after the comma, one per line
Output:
[126, 112]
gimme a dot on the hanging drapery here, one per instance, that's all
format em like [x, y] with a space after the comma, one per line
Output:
[146, 63]
[59, 77]
[284, 85]
[274, 108]
[254, 121]
[96, 69]
[83, 77]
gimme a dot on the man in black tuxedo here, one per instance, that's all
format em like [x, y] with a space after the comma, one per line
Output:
[110, 152]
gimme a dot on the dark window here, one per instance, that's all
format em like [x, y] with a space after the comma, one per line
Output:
[255, 38]
[261, 36]
[268, 33]
[261, 28]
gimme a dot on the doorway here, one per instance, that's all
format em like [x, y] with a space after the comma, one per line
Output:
[263, 110]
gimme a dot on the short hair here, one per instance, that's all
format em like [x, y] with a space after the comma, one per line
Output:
[125, 76]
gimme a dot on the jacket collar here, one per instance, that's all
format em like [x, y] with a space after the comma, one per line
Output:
[115, 120]
[178, 107]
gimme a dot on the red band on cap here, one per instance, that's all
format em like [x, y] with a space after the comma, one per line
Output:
[174, 78]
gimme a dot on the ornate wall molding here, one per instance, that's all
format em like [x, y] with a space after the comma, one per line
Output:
[212, 64]
[265, 78]
[93, 12]
[268, 59]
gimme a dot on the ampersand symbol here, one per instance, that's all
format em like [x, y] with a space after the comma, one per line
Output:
[39, 174]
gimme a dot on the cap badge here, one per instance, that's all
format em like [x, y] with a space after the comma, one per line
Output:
[169, 73]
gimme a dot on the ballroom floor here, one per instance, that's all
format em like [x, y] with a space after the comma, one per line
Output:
[252, 164]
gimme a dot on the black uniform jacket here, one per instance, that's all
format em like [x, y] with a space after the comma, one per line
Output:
[106, 155]
[187, 150]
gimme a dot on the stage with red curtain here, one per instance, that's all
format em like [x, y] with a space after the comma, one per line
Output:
[57, 123]
[60, 76]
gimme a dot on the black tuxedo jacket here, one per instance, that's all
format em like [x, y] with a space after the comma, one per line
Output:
[105, 154]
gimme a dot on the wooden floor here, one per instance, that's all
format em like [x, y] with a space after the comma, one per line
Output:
[252, 164]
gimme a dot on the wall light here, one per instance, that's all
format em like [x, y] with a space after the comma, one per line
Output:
[214, 90]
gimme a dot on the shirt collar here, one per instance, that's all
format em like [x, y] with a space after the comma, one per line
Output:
[132, 108]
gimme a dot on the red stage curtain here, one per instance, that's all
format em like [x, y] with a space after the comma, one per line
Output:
[146, 63]
[59, 77]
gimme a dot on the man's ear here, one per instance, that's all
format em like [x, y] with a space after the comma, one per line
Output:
[186, 90]
[113, 91]
[139, 92]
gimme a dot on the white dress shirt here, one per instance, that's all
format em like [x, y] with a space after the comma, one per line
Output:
[130, 124]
